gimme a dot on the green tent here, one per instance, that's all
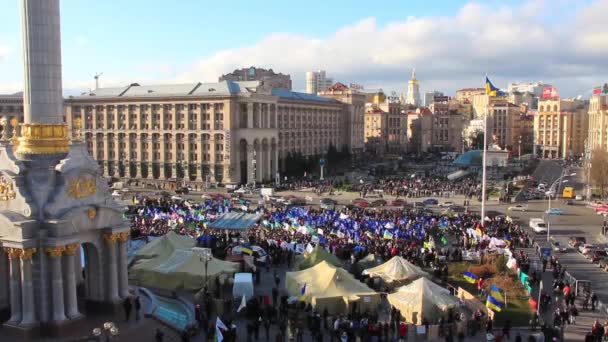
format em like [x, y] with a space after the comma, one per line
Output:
[316, 256]
[182, 269]
[164, 246]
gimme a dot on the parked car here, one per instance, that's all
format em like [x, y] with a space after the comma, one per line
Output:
[328, 201]
[177, 198]
[579, 197]
[182, 191]
[243, 190]
[569, 202]
[518, 207]
[538, 225]
[431, 201]
[399, 202]
[378, 203]
[447, 204]
[362, 204]
[256, 251]
[558, 247]
[576, 241]
[586, 248]
[419, 205]
[603, 264]
[116, 193]
[597, 255]
[554, 211]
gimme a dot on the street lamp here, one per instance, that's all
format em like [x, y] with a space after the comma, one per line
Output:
[109, 331]
[205, 257]
[550, 193]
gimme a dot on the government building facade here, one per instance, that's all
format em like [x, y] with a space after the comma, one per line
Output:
[194, 134]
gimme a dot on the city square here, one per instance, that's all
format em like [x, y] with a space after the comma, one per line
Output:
[246, 209]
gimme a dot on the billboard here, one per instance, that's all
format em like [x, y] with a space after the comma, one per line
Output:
[550, 93]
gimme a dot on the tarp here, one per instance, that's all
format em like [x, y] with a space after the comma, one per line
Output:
[164, 246]
[396, 269]
[235, 221]
[422, 299]
[327, 286]
[367, 262]
[182, 269]
[318, 255]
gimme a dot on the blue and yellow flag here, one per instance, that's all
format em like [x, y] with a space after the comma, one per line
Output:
[491, 90]
[388, 235]
[247, 250]
[470, 277]
[494, 304]
[495, 291]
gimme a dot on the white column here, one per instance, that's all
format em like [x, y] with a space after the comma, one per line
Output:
[71, 302]
[112, 271]
[27, 287]
[58, 310]
[259, 164]
[123, 277]
[15, 284]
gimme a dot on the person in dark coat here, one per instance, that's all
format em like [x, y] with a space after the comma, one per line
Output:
[137, 308]
[126, 304]
[159, 336]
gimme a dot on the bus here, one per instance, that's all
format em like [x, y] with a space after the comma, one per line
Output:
[568, 192]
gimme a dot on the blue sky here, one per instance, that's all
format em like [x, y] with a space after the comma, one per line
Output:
[373, 43]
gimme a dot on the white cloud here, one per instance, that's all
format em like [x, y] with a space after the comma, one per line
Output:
[4, 51]
[509, 43]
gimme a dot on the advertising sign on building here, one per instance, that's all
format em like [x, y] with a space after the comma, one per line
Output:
[550, 93]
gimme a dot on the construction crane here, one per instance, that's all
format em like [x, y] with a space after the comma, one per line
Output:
[97, 79]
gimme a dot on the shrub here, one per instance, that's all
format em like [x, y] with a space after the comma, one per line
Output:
[484, 271]
[501, 264]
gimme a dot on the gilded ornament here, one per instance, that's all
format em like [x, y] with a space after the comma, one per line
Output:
[71, 248]
[81, 187]
[123, 237]
[7, 191]
[55, 251]
[110, 237]
[43, 139]
[27, 253]
[92, 213]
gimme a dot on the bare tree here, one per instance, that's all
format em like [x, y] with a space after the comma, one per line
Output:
[599, 169]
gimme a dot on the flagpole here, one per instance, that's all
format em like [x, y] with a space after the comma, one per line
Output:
[483, 162]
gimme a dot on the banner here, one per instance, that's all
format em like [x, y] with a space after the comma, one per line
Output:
[550, 93]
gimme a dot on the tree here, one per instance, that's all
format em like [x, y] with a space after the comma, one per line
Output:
[477, 140]
[599, 169]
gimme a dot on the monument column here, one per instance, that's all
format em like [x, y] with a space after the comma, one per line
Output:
[15, 284]
[123, 277]
[56, 282]
[112, 274]
[27, 288]
[71, 303]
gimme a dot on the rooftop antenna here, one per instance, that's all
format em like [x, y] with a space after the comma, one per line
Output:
[97, 79]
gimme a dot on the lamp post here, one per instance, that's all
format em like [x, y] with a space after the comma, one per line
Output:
[109, 331]
[519, 148]
[205, 257]
[551, 191]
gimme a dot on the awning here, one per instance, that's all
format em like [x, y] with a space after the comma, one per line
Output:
[235, 221]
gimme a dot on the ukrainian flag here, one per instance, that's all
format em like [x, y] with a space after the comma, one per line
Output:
[491, 90]
[388, 235]
[495, 291]
[247, 250]
[494, 304]
[470, 277]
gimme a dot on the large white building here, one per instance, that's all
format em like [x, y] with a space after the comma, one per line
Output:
[413, 90]
[317, 81]
[535, 88]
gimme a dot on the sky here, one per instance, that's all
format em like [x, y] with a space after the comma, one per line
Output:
[451, 43]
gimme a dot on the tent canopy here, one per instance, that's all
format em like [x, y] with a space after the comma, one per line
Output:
[422, 299]
[327, 286]
[164, 246]
[396, 269]
[182, 269]
[235, 221]
[367, 262]
[318, 255]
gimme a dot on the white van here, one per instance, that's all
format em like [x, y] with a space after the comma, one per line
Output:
[243, 286]
[538, 225]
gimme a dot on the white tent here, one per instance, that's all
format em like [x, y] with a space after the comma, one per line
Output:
[422, 299]
[396, 269]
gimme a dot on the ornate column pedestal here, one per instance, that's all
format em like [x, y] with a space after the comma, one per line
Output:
[58, 308]
[123, 277]
[111, 291]
[69, 281]
[15, 285]
[28, 315]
